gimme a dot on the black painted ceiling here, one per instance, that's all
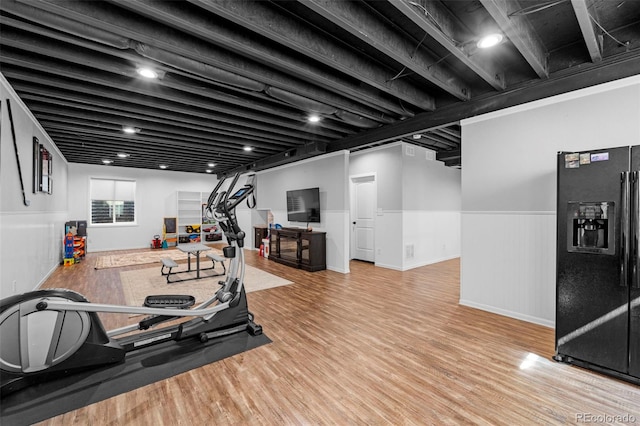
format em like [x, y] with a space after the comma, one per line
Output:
[236, 73]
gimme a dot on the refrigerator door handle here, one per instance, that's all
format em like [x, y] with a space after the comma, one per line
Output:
[635, 229]
[624, 230]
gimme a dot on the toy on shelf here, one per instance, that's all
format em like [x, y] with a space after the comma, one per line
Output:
[79, 248]
[68, 249]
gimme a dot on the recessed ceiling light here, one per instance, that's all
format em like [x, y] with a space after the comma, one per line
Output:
[209, 171]
[211, 164]
[248, 148]
[147, 73]
[130, 130]
[489, 40]
[417, 136]
[314, 118]
[163, 166]
[123, 155]
[105, 161]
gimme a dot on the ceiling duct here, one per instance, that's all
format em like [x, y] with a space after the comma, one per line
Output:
[199, 68]
[300, 101]
[66, 25]
[356, 120]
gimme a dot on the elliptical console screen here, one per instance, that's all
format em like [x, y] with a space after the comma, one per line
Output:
[239, 193]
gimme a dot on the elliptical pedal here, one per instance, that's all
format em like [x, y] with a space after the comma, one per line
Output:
[180, 301]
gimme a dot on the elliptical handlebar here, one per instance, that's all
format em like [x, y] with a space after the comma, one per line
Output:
[214, 194]
[225, 204]
[225, 201]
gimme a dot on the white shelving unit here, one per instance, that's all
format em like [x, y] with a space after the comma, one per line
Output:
[189, 216]
[192, 225]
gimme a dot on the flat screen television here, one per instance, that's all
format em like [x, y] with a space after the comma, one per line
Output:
[303, 205]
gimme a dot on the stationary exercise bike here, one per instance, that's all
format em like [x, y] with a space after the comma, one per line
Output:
[48, 333]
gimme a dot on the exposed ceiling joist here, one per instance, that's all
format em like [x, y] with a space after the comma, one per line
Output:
[363, 24]
[520, 32]
[259, 17]
[205, 40]
[262, 53]
[613, 69]
[591, 39]
[249, 74]
[437, 22]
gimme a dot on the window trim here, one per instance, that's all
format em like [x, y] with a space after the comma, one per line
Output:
[113, 224]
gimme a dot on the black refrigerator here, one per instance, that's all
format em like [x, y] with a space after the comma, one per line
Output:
[597, 282]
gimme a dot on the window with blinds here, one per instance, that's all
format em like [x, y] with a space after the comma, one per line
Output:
[112, 201]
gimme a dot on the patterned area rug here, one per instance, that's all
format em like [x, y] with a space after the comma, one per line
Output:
[139, 283]
[128, 259]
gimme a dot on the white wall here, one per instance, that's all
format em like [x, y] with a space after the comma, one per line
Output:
[30, 236]
[155, 198]
[509, 191]
[329, 173]
[418, 207]
[431, 200]
[386, 163]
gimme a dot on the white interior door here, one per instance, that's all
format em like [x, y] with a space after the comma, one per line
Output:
[363, 208]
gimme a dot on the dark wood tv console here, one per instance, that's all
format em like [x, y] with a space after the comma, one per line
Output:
[299, 248]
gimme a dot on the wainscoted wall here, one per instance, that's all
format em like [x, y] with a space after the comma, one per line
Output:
[429, 237]
[31, 249]
[509, 161]
[388, 240]
[508, 264]
[30, 235]
[329, 173]
[331, 220]
[418, 205]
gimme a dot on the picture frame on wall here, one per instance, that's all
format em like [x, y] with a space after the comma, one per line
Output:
[42, 168]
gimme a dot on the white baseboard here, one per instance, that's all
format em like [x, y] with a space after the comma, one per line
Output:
[510, 314]
[46, 277]
[431, 262]
[417, 265]
[342, 271]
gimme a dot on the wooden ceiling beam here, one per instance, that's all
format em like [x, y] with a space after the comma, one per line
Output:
[591, 39]
[83, 94]
[449, 155]
[112, 147]
[71, 127]
[572, 79]
[57, 104]
[446, 136]
[261, 18]
[443, 30]
[106, 64]
[455, 132]
[206, 40]
[440, 140]
[168, 90]
[361, 23]
[114, 122]
[520, 32]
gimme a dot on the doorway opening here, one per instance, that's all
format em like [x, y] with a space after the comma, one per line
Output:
[364, 199]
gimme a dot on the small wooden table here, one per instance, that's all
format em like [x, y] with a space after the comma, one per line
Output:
[196, 249]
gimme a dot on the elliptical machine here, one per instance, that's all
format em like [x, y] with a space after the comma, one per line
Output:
[47, 333]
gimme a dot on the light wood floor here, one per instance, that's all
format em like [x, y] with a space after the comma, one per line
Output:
[373, 347]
